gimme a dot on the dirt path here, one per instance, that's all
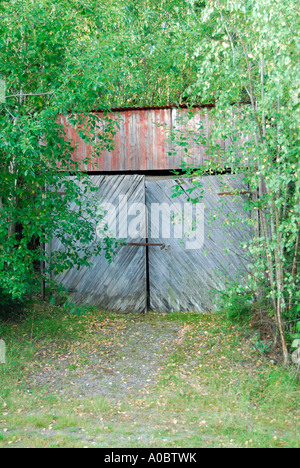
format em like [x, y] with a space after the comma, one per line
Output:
[105, 380]
[121, 358]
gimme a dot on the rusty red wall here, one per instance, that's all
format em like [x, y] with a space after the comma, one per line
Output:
[140, 144]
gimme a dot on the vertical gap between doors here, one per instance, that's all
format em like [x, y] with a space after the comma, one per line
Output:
[148, 277]
[148, 292]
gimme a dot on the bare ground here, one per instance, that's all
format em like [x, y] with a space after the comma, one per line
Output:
[107, 380]
[121, 359]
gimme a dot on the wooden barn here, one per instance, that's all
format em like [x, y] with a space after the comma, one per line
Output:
[176, 253]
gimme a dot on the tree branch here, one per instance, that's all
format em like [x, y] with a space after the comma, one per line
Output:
[21, 95]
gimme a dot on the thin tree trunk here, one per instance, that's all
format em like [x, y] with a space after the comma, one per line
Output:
[13, 226]
[268, 249]
[262, 73]
[294, 269]
[280, 286]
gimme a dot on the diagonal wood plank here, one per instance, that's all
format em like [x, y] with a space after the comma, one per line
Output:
[182, 279]
[120, 286]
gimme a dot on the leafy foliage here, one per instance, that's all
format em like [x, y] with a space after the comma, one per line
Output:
[10, 306]
[238, 305]
[250, 51]
[46, 62]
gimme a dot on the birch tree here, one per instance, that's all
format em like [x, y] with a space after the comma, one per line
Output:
[249, 51]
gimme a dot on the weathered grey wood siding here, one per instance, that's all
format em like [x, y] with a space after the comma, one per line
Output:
[182, 279]
[120, 286]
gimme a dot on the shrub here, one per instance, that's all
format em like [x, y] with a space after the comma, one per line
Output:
[10, 306]
[237, 304]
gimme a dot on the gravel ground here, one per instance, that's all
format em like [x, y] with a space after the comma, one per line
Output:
[125, 358]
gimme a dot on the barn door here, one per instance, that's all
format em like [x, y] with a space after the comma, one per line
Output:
[199, 255]
[174, 257]
[122, 285]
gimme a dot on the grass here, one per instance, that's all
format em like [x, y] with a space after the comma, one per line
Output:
[211, 389]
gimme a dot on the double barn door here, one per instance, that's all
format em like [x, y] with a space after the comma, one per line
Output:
[176, 253]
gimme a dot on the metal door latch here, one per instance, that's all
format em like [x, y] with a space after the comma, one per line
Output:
[147, 244]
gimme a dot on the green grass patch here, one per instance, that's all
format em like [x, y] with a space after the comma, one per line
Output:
[203, 384]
